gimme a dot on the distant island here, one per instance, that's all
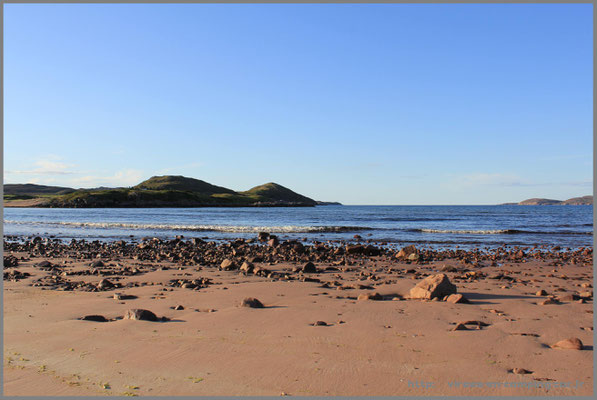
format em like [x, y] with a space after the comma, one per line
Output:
[158, 191]
[575, 201]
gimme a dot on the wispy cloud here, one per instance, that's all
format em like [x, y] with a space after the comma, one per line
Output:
[49, 165]
[127, 177]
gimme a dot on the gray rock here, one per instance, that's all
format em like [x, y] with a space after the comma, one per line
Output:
[251, 302]
[140, 314]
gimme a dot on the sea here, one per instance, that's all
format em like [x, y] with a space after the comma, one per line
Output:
[434, 227]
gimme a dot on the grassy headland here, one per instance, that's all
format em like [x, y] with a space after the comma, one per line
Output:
[158, 191]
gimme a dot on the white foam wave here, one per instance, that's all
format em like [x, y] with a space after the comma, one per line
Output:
[468, 231]
[213, 228]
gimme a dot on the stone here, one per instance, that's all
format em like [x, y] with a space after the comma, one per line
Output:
[227, 265]
[568, 344]
[247, 267]
[521, 371]
[140, 315]
[97, 264]
[433, 286]
[586, 295]
[449, 268]
[309, 268]
[407, 251]
[541, 293]
[95, 318]
[320, 323]
[460, 327]
[457, 299]
[263, 236]
[105, 284]
[548, 302]
[370, 296]
[479, 324]
[251, 302]
[568, 297]
[355, 249]
[179, 307]
[44, 264]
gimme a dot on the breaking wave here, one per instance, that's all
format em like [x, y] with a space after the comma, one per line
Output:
[203, 228]
[501, 232]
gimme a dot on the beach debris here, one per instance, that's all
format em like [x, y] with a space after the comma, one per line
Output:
[251, 302]
[433, 286]
[568, 344]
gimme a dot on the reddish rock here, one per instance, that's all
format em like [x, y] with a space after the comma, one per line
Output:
[457, 299]
[433, 286]
[407, 251]
[370, 296]
[568, 344]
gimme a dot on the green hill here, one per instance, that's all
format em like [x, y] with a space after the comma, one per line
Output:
[575, 201]
[31, 190]
[274, 192]
[162, 191]
[171, 182]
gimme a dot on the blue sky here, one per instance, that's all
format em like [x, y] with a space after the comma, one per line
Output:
[363, 104]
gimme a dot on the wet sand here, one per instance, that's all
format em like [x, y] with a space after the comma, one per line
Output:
[213, 346]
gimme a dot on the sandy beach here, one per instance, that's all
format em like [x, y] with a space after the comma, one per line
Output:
[336, 320]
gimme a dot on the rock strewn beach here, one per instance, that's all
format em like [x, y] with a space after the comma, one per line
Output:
[272, 317]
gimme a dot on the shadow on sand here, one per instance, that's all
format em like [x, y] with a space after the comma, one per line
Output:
[481, 298]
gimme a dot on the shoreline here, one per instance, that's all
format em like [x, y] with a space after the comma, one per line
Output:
[374, 340]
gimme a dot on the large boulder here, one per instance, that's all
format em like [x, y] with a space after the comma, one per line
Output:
[433, 286]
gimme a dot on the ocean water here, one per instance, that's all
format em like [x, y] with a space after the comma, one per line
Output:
[437, 227]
